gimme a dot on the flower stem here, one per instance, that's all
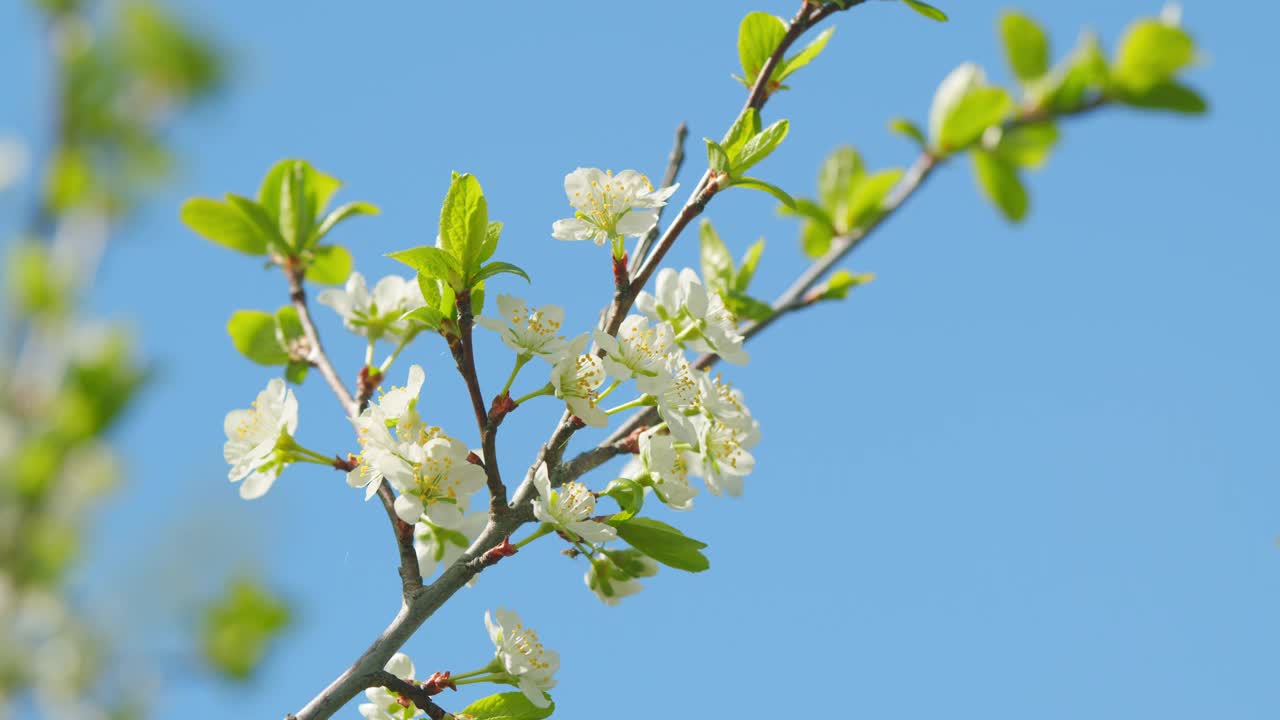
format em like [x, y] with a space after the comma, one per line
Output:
[368, 354]
[608, 390]
[520, 362]
[386, 364]
[493, 678]
[544, 529]
[641, 401]
[547, 389]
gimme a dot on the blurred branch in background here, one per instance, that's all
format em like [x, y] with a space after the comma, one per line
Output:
[120, 74]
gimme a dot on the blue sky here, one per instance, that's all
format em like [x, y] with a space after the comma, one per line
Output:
[1028, 472]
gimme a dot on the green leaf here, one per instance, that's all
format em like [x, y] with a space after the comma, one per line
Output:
[295, 212]
[841, 282]
[296, 371]
[868, 196]
[491, 237]
[506, 706]
[717, 158]
[999, 181]
[430, 287]
[433, 262]
[926, 10]
[1152, 52]
[317, 189]
[1085, 72]
[774, 190]
[839, 173]
[427, 316]
[224, 225]
[746, 126]
[288, 325]
[664, 543]
[717, 263]
[745, 307]
[759, 147]
[338, 215]
[758, 36]
[329, 265]
[269, 190]
[629, 495]
[815, 239]
[802, 58]
[747, 268]
[496, 268]
[978, 110]
[807, 210]
[1028, 145]
[237, 629]
[908, 129]
[254, 334]
[1026, 46]
[1165, 96]
[464, 223]
[258, 217]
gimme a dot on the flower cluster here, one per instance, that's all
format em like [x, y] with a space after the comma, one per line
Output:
[428, 469]
[259, 439]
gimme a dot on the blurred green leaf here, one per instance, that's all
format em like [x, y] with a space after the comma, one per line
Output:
[505, 706]
[1028, 145]
[747, 268]
[1026, 46]
[908, 129]
[717, 263]
[238, 628]
[837, 286]
[224, 225]
[926, 10]
[1165, 96]
[979, 109]
[1151, 53]
[999, 181]
[339, 214]
[253, 332]
[329, 265]
[868, 196]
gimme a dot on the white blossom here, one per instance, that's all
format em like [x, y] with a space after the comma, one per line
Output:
[428, 468]
[667, 470]
[576, 378]
[383, 704]
[528, 331]
[522, 655]
[639, 351]
[609, 207]
[697, 313]
[375, 314]
[680, 399]
[252, 437]
[569, 508]
[722, 459]
[439, 546]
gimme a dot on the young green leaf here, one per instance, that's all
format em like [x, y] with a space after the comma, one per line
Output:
[758, 36]
[868, 196]
[433, 262]
[339, 214]
[759, 147]
[717, 158]
[717, 263]
[809, 210]
[296, 371]
[629, 495]
[253, 332]
[224, 225]
[841, 282]
[1152, 52]
[747, 268]
[663, 543]
[1025, 45]
[1164, 96]
[258, 217]
[296, 213]
[908, 129]
[978, 110]
[746, 126]
[1084, 73]
[815, 239]
[999, 181]
[491, 237]
[427, 316]
[745, 307]
[497, 268]
[802, 58]
[329, 265]
[774, 190]
[926, 10]
[464, 223]
[1028, 145]
[506, 706]
[839, 173]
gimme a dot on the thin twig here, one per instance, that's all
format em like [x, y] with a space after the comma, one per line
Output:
[413, 692]
[317, 357]
[674, 161]
[464, 355]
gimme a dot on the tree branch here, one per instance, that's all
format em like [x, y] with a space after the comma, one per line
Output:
[464, 355]
[412, 691]
[674, 161]
[294, 272]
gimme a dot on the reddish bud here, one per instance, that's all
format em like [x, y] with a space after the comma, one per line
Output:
[349, 463]
[474, 459]
[497, 552]
[576, 423]
[437, 683]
